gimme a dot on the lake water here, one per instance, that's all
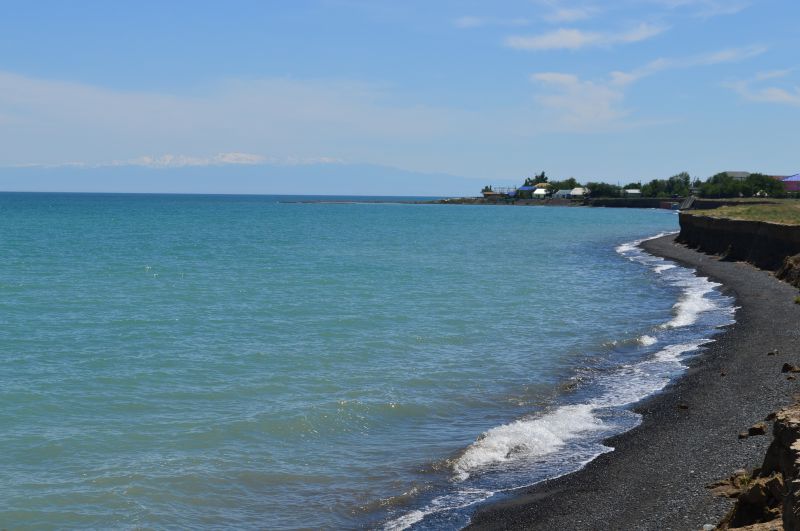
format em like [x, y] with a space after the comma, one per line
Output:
[224, 361]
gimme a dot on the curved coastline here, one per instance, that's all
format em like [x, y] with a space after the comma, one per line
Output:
[656, 476]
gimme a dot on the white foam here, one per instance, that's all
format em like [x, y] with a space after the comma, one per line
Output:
[692, 302]
[631, 383]
[405, 521]
[674, 353]
[627, 247]
[646, 340]
[453, 501]
[527, 438]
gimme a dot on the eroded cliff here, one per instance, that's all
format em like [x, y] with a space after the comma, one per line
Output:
[769, 246]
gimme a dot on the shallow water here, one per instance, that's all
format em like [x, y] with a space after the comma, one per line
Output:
[218, 361]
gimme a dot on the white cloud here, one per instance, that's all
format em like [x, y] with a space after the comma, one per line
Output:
[754, 90]
[707, 8]
[569, 14]
[50, 121]
[574, 39]
[468, 22]
[773, 74]
[560, 11]
[169, 160]
[729, 55]
[580, 105]
[181, 161]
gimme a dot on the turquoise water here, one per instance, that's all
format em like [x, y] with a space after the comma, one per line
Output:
[212, 361]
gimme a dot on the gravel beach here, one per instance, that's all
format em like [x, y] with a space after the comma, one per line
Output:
[656, 476]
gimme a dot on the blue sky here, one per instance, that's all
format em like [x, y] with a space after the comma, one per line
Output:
[489, 92]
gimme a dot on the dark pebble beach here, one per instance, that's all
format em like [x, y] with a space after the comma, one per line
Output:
[656, 477]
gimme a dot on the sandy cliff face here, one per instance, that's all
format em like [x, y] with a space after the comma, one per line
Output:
[766, 245]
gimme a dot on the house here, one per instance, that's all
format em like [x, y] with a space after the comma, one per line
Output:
[541, 193]
[791, 183]
[737, 175]
[632, 192]
[525, 192]
[563, 194]
[500, 193]
[579, 193]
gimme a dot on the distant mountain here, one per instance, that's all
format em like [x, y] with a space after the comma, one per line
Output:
[313, 179]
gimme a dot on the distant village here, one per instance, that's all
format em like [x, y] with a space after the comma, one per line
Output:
[682, 185]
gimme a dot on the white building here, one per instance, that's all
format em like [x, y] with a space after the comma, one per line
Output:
[579, 193]
[738, 175]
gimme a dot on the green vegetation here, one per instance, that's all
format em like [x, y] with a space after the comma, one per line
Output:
[786, 212]
[603, 190]
[797, 300]
[721, 185]
[536, 179]
[756, 185]
[567, 184]
[743, 481]
[679, 185]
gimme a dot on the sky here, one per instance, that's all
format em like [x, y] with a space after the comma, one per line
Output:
[392, 97]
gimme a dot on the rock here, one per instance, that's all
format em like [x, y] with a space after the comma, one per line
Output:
[766, 526]
[732, 486]
[774, 485]
[769, 497]
[757, 493]
[743, 435]
[759, 428]
[790, 270]
[683, 406]
[791, 378]
[771, 416]
[727, 488]
[788, 367]
[772, 352]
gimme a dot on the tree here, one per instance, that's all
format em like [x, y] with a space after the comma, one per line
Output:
[487, 188]
[721, 185]
[567, 184]
[603, 190]
[757, 184]
[536, 179]
[677, 185]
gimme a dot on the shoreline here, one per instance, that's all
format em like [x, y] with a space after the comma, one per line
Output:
[656, 477]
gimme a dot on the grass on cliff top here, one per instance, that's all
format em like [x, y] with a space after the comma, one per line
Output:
[785, 212]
